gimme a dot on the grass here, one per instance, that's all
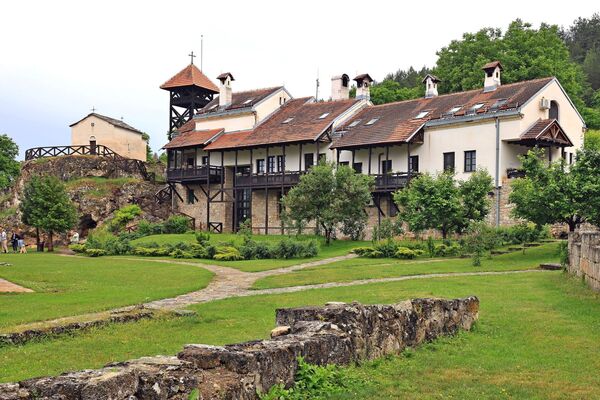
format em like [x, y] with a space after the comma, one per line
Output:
[537, 338]
[336, 248]
[66, 286]
[367, 268]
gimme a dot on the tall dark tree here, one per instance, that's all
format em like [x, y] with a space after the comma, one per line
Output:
[9, 166]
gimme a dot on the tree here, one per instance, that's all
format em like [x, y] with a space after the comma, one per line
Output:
[331, 197]
[592, 140]
[410, 78]
[439, 202]
[149, 154]
[553, 193]
[389, 91]
[9, 167]
[47, 206]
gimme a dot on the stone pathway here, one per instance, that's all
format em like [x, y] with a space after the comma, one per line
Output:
[9, 287]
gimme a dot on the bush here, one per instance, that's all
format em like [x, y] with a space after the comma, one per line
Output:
[176, 224]
[227, 253]
[445, 250]
[95, 252]
[388, 229]
[146, 228]
[202, 237]
[151, 251]
[178, 253]
[405, 253]
[563, 254]
[111, 244]
[199, 251]
[430, 247]
[245, 228]
[387, 249]
[362, 251]
[252, 250]
[78, 248]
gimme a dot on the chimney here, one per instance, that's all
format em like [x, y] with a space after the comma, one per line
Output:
[363, 84]
[225, 93]
[340, 87]
[492, 76]
[431, 82]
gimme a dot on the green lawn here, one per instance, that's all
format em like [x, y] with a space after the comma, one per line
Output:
[368, 268]
[66, 286]
[537, 338]
[336, 248]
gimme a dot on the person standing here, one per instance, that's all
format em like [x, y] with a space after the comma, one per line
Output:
[14, 241]
[22, 248]
[3, 240]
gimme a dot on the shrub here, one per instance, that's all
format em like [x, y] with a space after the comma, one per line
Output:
[245, 228]
[355, 229]
[124, 215]
[78, 248]
[199, 251]
[227, 253]
[405, 253]
[176, 224]
[111, 244]
[252, 249]
[444, 250]
[363, 251]
[430, 247]
[151, 251]
[178, 253]
[563, 253]
[202, 237]
[311, 249]
[387, 248]
[95, 252]
[388, 229]
[146, 228]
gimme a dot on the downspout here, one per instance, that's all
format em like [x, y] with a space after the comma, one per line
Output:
[497, 172]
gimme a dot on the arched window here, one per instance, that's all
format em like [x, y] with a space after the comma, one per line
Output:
[553, 113]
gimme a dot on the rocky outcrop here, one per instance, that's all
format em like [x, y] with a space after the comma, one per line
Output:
[584, 256]
[96, 199]
[334, 334]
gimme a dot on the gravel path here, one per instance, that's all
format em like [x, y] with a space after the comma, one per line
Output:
[9, 287]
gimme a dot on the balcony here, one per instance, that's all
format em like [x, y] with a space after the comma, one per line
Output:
[275, 179]
[512, 173]
[198, 173]
[391, 182]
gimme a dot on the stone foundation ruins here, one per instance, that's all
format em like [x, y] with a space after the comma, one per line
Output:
[335, 334]
[584, 256]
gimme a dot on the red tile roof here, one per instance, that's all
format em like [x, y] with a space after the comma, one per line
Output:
[239, 100]
[547, 130]
[190, 76]
[229, 140]
[303, 124]
[189, 138]
[397, 121]
[492, 65]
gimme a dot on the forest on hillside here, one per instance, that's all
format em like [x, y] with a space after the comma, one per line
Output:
[571, 54]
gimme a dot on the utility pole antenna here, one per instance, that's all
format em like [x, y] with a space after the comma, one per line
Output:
[317, 87]
[93, 109]
[201, 51]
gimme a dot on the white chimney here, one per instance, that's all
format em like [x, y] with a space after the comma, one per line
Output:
[492, 76]
[363, 84]
[431, 82]
[225, 93]
[340, 87]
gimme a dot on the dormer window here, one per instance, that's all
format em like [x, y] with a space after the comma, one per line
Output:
[354, 123]
[249, 100]
[476, 106]
[288, 120]
[324, 115]
[499, 103]
[422, 114]
[372, 121]
[213, 107]
[454, 109]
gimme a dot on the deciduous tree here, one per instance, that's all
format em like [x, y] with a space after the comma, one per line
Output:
[9, 167]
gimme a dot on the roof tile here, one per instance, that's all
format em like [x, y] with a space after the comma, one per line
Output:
[190, 76]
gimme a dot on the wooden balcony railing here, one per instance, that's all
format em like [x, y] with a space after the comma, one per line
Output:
[515, 173]
[198, 173]
[273, 179]
[392, 181]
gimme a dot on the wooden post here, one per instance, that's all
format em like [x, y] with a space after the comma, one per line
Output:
[387, 157]
[353, 155]
[234, 192]
[300, 158]
[267, 192]
[337, 154]
[208, 192]
[282, 185]
[369, 168]
[408, 161]
[222, 173]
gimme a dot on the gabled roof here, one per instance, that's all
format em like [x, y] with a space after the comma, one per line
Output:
[224, 76]
[115, 122]
[492, 65]
[547, 130]
[192, 138]
[299, 120]
[228, 141]
[190, 76]
[239, 101]
[397, 121]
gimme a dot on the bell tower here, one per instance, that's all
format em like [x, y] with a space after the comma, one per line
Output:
[189, 91]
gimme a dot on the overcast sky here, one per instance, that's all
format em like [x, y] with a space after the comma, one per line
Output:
[58, 59]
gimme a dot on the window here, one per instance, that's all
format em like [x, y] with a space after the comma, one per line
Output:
[260, 166]
[248, 101]
[476, 107]
[271, 164]
[499, 103]
[413, 164]
[213, 107]
[190, 162]
[354, 123]
[357, 166]
[454, 109]
[324, 115]
[191, 197]
[204, 160]
[280, 163]
[288, 120]
[346, 163]
[309, 159]
[570, 158]
[243, 170]
[422, 114]
[386, 166]
[449, 162]
[470, 161]
[372, 121]
[553, 112]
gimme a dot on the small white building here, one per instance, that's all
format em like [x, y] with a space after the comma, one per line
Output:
[99, 130]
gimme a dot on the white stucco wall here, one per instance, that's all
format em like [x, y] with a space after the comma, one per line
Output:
[124, 142]
[270, 104]
[231, 123]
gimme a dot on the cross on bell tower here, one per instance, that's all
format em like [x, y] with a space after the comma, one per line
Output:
[189, 91]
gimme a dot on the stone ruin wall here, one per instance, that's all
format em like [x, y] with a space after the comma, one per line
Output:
[584, 256]
[335, 334]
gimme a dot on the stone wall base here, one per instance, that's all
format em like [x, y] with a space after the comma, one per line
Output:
[584, 257]
[335, 334]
